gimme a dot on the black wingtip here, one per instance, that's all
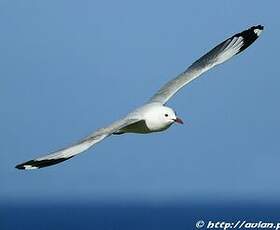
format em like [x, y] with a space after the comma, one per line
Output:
[27, 165]
[249, 36]
[260, 27]
[20, 166]
[36, 164]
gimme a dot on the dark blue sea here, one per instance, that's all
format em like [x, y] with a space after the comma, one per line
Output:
[129, 215]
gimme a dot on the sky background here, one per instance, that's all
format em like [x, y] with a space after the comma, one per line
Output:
[70, 67]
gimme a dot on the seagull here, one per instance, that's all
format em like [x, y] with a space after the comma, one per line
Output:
[154, 115]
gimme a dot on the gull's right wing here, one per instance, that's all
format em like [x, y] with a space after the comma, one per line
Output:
[81, 146]
[221, 53]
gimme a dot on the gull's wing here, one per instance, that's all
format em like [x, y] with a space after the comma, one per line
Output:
[221, 53]
[81, 146]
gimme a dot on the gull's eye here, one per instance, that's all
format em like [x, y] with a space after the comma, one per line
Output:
[166, 115]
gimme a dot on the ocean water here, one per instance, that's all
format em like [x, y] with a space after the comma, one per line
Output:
[129, 215]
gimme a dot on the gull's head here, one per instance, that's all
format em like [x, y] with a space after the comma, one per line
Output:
[169, 116]
[159, 118]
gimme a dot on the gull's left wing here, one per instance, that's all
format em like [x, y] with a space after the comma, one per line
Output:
[221, 53]
[81, 146]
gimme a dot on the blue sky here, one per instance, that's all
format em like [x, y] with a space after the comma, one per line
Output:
[70, 67]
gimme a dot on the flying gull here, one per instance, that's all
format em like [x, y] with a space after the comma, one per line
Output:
[154, 116]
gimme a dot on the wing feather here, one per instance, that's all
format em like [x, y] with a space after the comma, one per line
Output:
[221, 53]
[81, 146]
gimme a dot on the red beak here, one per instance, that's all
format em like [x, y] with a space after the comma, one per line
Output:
[178, 120]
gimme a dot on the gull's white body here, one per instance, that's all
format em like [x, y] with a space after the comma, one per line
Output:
[153, 120]
[154, 116]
